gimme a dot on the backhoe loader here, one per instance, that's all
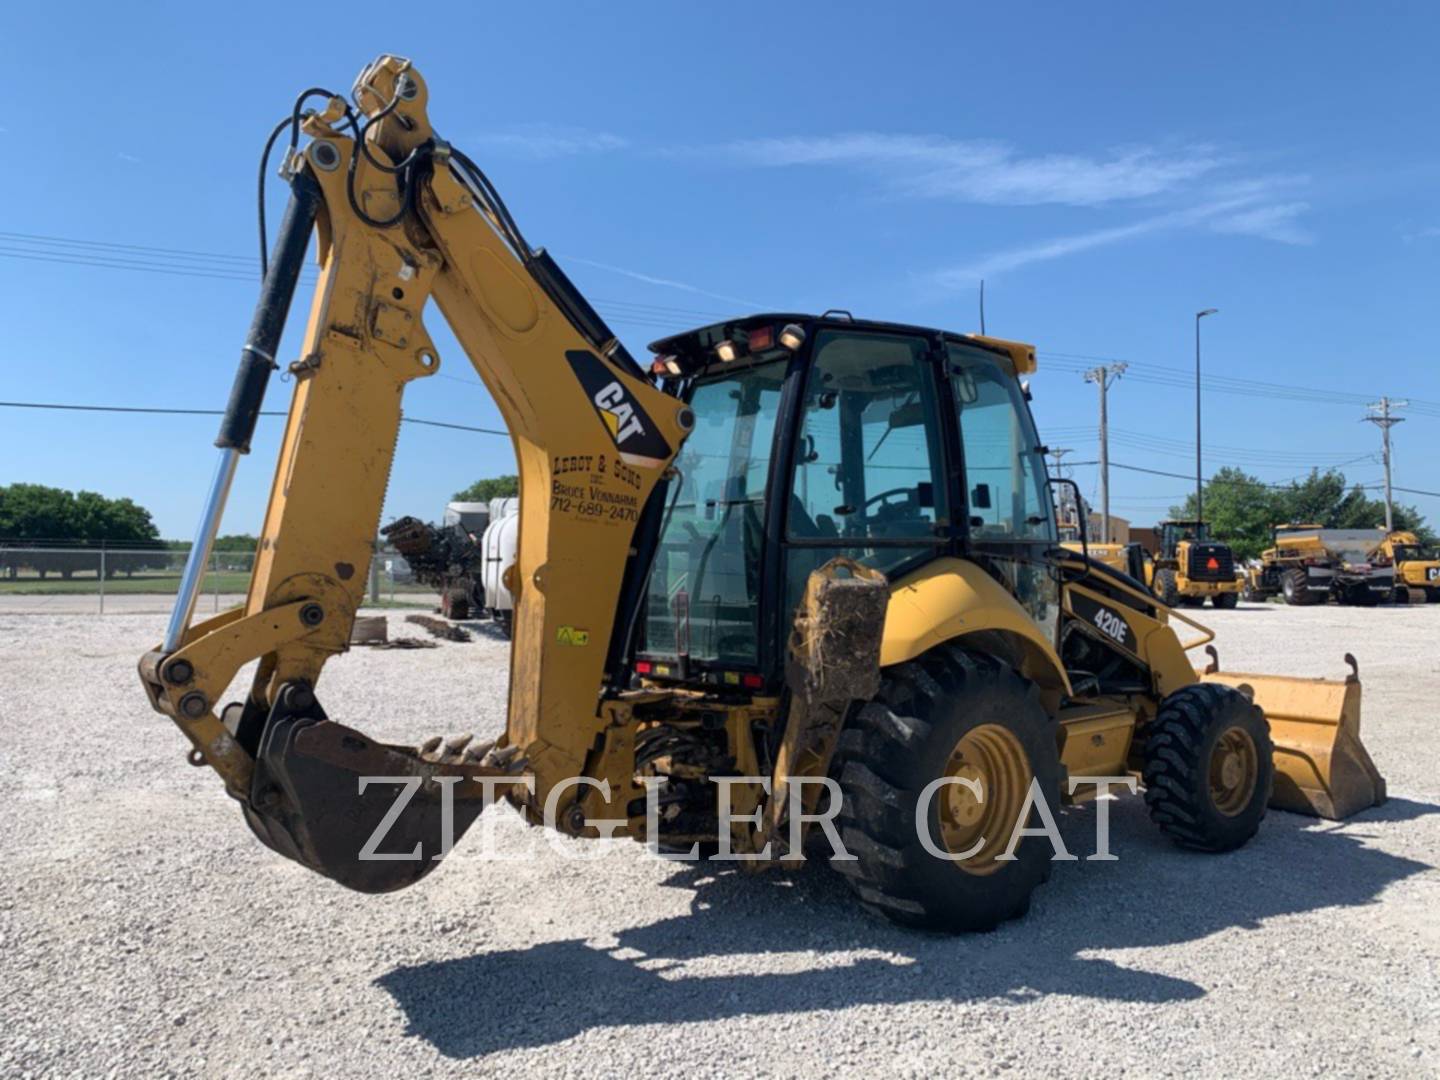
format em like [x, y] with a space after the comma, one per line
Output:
[1416, 567]
[1127, 558]
[799, 568]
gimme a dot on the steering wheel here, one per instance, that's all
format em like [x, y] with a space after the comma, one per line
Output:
[910, 494]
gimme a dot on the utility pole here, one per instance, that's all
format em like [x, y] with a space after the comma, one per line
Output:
[1381, 418]
[1066, 494]
[1103, 376]
[1199, 475]
[1058, 452]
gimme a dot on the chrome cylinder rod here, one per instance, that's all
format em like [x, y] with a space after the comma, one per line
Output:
[199, 556]
[257, 361]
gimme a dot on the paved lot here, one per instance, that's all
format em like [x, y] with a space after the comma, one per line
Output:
[143, 931]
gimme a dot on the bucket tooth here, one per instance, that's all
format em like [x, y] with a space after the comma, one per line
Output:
[1321, 766]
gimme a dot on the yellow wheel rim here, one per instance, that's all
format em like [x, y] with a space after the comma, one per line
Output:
[1234, 770]
[993, 760]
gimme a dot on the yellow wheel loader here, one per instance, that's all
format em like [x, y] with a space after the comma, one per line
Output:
[1191, 567]
[795, 578]
[1416, 568]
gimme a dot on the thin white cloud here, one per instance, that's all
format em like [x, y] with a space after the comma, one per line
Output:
[543, 142]
[1430, 232]
[933, 166]
[650, 279]
[964, 277]
[1242, 214]
[1275, 222]
[129, 159]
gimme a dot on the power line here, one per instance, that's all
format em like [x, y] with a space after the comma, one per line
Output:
[1165, 375]
[1407, 491]
[219, 266]
[171, 411]
[158, 410]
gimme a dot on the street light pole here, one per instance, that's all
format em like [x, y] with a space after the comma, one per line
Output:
[1199, 473]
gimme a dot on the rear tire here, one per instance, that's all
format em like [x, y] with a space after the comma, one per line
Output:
[1225, 600]
[1432, 596]
[1208, 767]
[1295, 586]
[950, 706]
[1166, 589]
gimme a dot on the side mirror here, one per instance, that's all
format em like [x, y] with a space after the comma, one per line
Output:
[980, 496]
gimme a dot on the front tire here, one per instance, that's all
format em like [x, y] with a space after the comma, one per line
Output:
[958, 713]
[1166, 589]
[1208, 767]
[1225, 600]
[1295, 585]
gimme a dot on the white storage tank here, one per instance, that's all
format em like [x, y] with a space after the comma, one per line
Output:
[500, 544]
[504, 507]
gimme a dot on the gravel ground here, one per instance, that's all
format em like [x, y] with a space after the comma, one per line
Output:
[143, 930]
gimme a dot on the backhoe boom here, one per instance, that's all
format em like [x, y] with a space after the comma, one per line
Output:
[406, 220]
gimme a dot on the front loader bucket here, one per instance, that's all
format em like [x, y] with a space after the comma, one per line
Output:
[1321, 766]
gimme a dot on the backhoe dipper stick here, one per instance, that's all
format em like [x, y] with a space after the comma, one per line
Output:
[257, 360]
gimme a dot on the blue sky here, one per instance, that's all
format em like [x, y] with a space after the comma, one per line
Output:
[1109, 170]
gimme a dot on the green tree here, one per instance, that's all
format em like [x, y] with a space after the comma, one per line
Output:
[33, 514]
[1240, 509]
[237, 542]
[37, 512]
[494, 487]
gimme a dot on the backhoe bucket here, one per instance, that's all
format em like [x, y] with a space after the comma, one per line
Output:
[1321, 766]
[372, 816]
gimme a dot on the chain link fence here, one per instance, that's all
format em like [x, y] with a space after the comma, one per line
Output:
[79, 580]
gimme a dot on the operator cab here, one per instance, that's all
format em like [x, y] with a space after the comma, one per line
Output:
[1173, 533]
[823, 436]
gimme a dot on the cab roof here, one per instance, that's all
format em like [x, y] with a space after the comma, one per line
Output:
[697, 345]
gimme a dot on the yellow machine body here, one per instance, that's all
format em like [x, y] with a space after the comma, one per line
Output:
[595, 437]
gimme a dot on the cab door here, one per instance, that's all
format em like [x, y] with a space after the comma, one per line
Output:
[1010, 519]
[868, 478]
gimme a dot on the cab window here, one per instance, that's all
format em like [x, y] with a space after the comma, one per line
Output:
[868, 461]
[1005, 480]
